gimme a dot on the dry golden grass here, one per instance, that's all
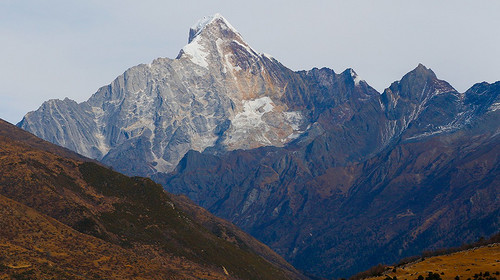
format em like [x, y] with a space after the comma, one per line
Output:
[69, 218]
[463, 264]
[38, 247]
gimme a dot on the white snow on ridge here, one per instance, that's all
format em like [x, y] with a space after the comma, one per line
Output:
[195, 49]
[206, 20]
[267, 55]
[196, 53]
[494, 107]
[356, 78]
[247, 48]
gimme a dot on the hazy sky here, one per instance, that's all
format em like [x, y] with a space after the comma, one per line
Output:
[57, 49]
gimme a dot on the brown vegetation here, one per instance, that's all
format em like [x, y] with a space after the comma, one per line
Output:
[68, 218]
[479, 260]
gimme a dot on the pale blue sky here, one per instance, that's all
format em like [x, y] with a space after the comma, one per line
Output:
[57, 49]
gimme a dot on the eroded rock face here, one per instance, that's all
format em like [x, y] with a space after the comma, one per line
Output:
[218, 93]
[366, 185]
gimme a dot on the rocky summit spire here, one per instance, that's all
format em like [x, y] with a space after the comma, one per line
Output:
[219, 94]
[216, 21]
[213, 39]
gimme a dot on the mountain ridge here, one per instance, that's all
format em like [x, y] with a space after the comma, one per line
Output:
[271, 149]
[221, 112]
[312, 175]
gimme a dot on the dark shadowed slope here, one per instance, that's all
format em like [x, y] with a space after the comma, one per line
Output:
[422, 173]
[70, 200]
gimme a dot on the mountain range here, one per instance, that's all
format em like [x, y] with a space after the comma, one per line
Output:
[331, 174]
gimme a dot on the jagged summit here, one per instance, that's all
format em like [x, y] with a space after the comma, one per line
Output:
[424, 71]
[355, 76]
[425, 77]
[419, 83]
[214, 40]
[217, 93]
[216, 19]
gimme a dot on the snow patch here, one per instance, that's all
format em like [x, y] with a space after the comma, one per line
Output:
[196, 52]
[253, 110]
[237, 68]
[161, 165]
[248, 126]
[206, 20]
[226, 58]
[454, 125]
[356, 78]
[201, 142]
[294, 118]
[101, 143]
[293, 136]
[267, 55]
[494, 107]
[247, 48]
[252, 198]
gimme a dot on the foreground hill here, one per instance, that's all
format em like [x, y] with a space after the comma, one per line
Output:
[71, 218]
[475, 263]
[35, 246]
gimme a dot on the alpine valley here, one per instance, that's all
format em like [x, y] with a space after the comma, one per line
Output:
[331, 174]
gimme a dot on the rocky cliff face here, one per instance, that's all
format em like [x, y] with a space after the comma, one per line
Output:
[327, 171]
[217, 93]
[353, 195]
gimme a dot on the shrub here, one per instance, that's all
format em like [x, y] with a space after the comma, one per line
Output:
[372, 272]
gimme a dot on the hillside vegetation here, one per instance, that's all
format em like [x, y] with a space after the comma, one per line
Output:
[478, 260]
[475, 263]
[71, 218]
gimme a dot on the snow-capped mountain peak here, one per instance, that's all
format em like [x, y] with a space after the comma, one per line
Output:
[217, 93]
[212, 39]
[216, 19]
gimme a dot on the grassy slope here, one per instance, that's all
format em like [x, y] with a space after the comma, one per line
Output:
[134, 214]
[463, 264]
[35, 246]
[163, 225]
[229, 231]
[53, 186]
